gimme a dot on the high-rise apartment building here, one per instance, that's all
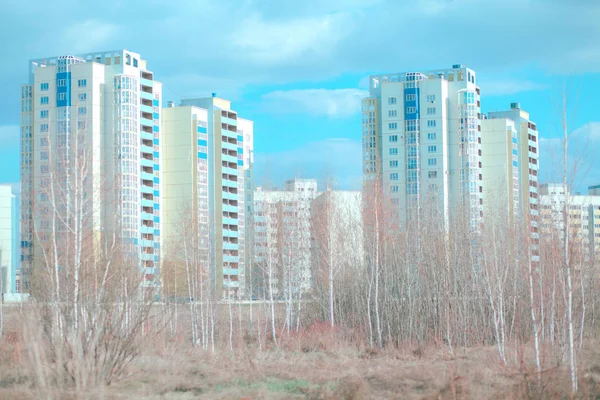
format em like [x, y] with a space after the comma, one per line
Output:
[527, 165]
[9, 239]
[90, 139]
[500, 153]
[208, 156]
[422, 141]
[583, 218]
[282, 240]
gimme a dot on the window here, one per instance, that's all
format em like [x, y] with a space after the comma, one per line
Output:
[62, 96]
[431, 136]
[393, 151]
[82, 96]
[44, 100]
[82, 111]
[431, 123]
[432, 174]
[82, 83]
[394, 189]
[392, 113]
[44, 114]
[44, 86]
[431, 98]
[411, 110]
[393, 138]
[411, 97]
[391, 100]
[431, 149]
[81, 125]
[430, 110]
[432, 161]
[394, 176]
[393, 125]
[44, 155]
[44, 142]
[43, 197]
[393, 163]
[44, 169]
[44, 128]
[61, 82]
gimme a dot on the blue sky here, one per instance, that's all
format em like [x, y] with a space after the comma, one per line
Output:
[298, 68]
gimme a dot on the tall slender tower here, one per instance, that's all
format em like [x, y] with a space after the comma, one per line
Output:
[422, 141]
[90, 137]
[209, 165]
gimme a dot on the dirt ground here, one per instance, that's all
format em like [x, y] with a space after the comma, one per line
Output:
[320, 374]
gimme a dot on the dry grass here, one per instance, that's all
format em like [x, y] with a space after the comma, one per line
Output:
[315, 364]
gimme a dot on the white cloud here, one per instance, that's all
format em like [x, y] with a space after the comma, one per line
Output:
[9, 135]
[508, 87]
[273, 42]
[329, 102]
[336, 159]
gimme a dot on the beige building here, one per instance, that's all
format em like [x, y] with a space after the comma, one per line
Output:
[206, 183]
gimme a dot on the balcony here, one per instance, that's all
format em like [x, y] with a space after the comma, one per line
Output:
[231, 258]
[230, 246]
[147, 203]
[230, 208]
[147, 229]
[146, 149]
[146, 135]
[147, 243]
[230, 221]
[146, 122]
[146, 176]
[148, 216]
[147, 189]
[144, 162]
[229, 158]
[146, 95]
[146, 82]
[229, 171]
[230, 196]
[147, 257]
[229, 146]
[230, 233]
[228, 121]
[146, 109]
[231, 271]
[230, 183]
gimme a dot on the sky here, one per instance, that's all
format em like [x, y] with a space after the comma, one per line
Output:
[299, 68]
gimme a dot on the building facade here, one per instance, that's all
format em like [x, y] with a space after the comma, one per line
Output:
[527, 165]
[282, 240]
[9, 239]
[422, 142]
[90, 138]
[208, 172]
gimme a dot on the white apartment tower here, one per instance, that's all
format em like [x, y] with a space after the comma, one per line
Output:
[282, 241]
[90, 127]
[422, 142]
[208, 167]
[527, 165]
[9, 239]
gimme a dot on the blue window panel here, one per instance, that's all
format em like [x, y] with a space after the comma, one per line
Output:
[155, 103]
[515, 164]
[201, 129]
[156, 193]
[202, 156]
[155, 141]
[241, 163]
[156, 219]
[135, 241]
[202, 142]
[514, 152]
[66, 101]
[156, 167]
[156, 180]
[157, 232]
[157, 245]
[240, 138]
[240, 150]
[155, 128]
[156, 206]
[155, 258]
[412, 103]
[155, 115]
[155, 153]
